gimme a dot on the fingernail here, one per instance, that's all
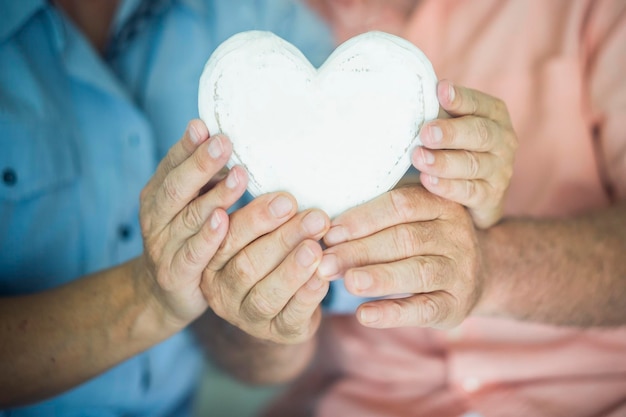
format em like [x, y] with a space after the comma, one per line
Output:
[427, 157]
[451, 92]
[370, 314]
[215, 147]
[305, 256]
[232, 180]
[328, 267]
[314, 284]
[336, 235]
[314, 223]
[280, 206]
[433, 180]
[193, 135]
[362, 280]
[215, 221]
[435, 133]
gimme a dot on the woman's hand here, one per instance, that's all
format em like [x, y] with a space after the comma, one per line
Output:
[469, 158]
[262, 278]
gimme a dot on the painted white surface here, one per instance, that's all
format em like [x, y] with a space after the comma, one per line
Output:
[334, 137]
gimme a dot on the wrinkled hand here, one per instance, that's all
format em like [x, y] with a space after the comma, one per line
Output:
[262, 278]
[410, 242]
[182, 225]
[469, 158]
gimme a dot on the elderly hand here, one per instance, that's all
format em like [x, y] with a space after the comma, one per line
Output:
[412, 243]
[262, 278]
[469, 157]
[182, 225]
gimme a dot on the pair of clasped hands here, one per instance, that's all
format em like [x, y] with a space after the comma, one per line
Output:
[262, 268]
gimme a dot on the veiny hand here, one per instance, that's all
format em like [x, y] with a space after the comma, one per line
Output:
[469, 157]
[182, 223]
[262, 278]
[410, 242]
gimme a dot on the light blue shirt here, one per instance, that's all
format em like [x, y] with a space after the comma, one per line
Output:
[80, 137]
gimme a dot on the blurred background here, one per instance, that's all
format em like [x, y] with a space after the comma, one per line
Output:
[220, 395]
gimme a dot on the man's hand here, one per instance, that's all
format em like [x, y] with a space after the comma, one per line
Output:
[182, 225]
[469, 157]
[408, 243]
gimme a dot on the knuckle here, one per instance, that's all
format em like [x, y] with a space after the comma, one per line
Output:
[190, 254]
[473, 165]
[407, 239]
[202, 163]
[430, 310]
[398, 313]
[168, 161]
[242, 266]
[286, 326]
[191, 217]
[500, 107]
[170, 189]
[284, 241]
[402, 203]
[483, 132]
[258, 307]
[469, 191]
[427, 274]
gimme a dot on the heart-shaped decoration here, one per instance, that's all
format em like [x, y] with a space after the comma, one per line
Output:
[334, 137]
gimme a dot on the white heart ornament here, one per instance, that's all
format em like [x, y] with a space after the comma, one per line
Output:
[334, 137]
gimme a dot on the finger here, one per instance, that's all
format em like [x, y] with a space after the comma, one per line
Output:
[183, 183]
[301, 317]
[193, 256]
[474, 194]
[269, 296]
[453, 164]
[434, 309]
[263, 255]
[389, 245]
[486, 217]
[261, 216]
[419, 274]
[460, 101]
[468, 132]
[195, 134]
[470, 193]
[401, 205]
[224, 194]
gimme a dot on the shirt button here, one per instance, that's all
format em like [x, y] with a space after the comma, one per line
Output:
[125, 232]
[471, 385]
[9, 177]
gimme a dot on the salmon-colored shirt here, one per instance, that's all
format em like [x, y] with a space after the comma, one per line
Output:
[560, 66]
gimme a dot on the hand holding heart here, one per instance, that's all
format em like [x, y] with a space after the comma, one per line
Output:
[469, 158]
[262, 279]
[409, 241]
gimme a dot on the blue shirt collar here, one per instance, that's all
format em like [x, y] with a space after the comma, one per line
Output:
[15, 14]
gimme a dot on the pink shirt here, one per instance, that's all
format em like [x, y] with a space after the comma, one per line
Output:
[560, 65]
